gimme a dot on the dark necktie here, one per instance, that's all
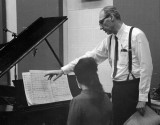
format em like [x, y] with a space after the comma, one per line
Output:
[115, 57]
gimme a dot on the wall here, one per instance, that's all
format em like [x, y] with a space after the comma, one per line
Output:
[145, 14]
[4, 79]
[83, 33]
[2, 21]
[27, 12]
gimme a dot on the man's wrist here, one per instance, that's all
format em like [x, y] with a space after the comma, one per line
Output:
[62, 72]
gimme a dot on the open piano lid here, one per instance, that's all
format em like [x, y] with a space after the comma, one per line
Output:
[27, 40]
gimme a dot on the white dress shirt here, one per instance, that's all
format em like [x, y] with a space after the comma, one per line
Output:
[141, 58]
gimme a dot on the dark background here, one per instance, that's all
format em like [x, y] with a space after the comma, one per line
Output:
[5, 78]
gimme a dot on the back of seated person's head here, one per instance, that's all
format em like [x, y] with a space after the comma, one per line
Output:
[85, 71]
[86, 74]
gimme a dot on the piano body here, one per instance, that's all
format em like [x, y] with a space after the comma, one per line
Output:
[22, 114]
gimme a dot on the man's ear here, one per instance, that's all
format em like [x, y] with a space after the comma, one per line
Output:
[78, 84]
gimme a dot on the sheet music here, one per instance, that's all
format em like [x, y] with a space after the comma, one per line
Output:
[44, 90]
[28, 87]
[60, 89]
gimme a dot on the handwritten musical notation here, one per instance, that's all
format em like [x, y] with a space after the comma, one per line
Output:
[40, 90]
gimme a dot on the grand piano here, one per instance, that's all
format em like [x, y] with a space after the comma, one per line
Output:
[12, 53]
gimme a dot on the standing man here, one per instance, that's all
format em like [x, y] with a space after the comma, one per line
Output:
[128, 52]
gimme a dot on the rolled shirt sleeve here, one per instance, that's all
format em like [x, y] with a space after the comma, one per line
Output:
[100, 53]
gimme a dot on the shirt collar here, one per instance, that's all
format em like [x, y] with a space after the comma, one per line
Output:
[86, 91]
[121, 31]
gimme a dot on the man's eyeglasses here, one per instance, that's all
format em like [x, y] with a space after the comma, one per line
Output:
[101, 21]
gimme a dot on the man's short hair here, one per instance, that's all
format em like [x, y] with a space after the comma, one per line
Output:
[111, 10]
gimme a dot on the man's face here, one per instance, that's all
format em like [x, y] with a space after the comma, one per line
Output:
[106, 23]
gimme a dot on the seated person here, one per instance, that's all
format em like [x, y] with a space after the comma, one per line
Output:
[92, 106]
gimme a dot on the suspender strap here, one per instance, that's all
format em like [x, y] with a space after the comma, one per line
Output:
[109, 48]
[130, 50]
[130, 54]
